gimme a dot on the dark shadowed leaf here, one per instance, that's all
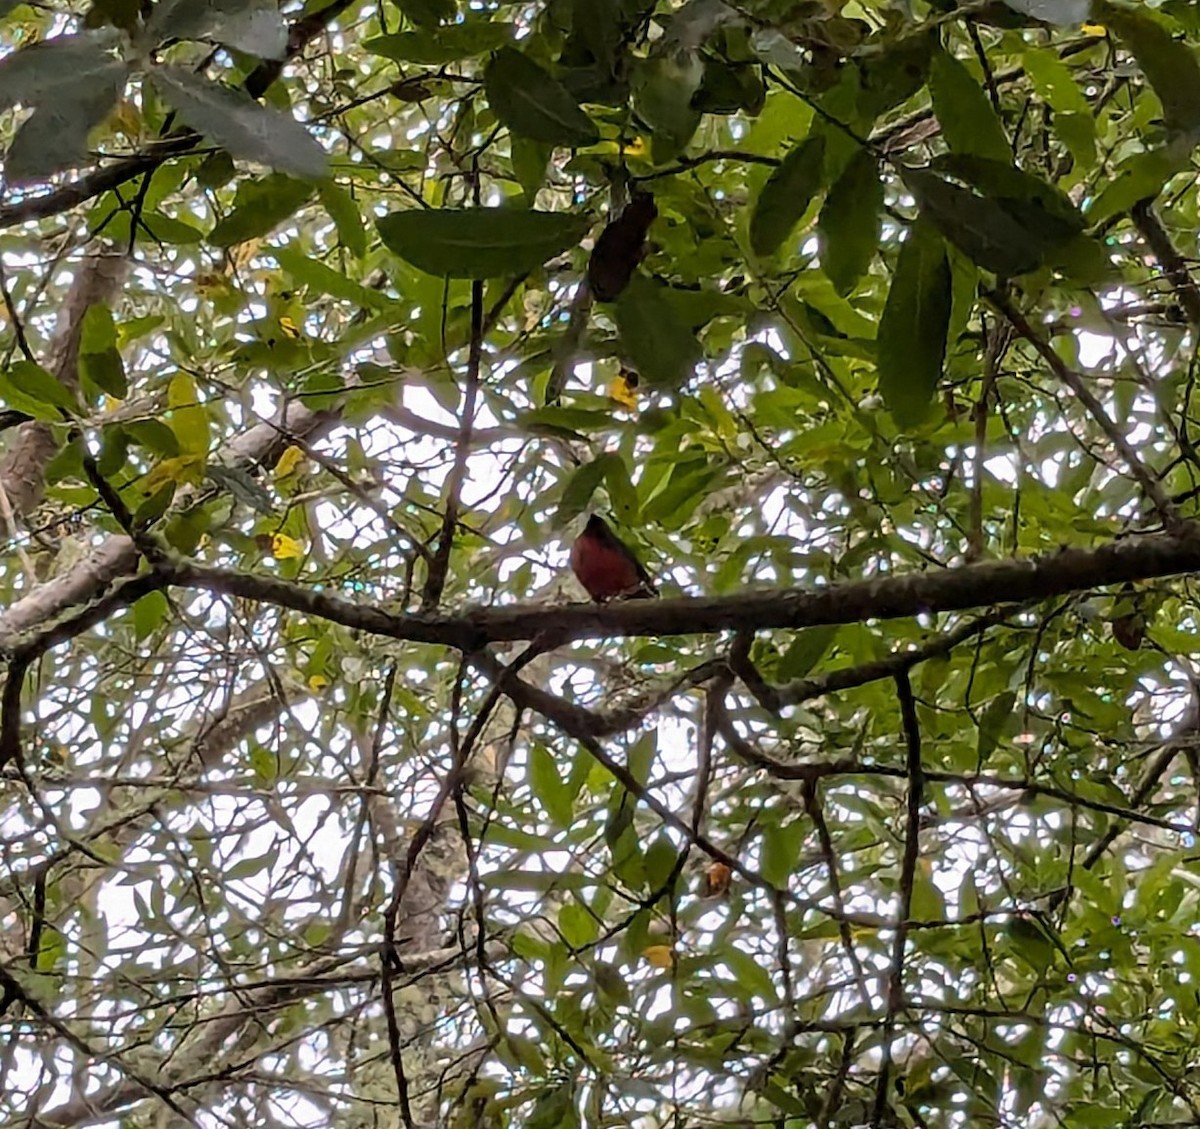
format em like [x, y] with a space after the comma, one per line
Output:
[253, 26]
[849, 222]
[533, 103]
[979, 227]
[457, 41]
[343, 210]
[912, 332]
[663, 88]
[654, 336]
[1170, 66]
[1066, 13]
[55, 136]
[786, 195]
[236, 122]
[427, 13]
[480, 242]
[969, 124]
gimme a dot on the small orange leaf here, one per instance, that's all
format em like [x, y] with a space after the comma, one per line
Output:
[716, 880]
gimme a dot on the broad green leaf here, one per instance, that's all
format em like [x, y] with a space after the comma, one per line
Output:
[578, 927]
[427, 13]
[621, 490]
[654, 337]
[233, 120]
[969, 124]
[579, 489]
[531, 102]
[324, 279]
[663, 88]
[149, 613]
[34, 73]
[786, 195]
[1054, 81]
[992, 723]
[259, 207]
[346, 216]
[99, 360]
[849, 222]
[548, 787]
[978, 226]
[44, 387]
[432, 48]
[912, 331]
[480, 242]
[253, 26]
[1171, 67]
[1140, 177]
[781, 846]
[806, 650]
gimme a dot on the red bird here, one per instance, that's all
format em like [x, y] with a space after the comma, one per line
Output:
[606, 566]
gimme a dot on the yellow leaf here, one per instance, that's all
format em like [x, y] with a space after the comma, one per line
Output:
[240, 254]
[1094, 29]
[317, 682]
[661, 956]
[289, 328]
[128, 119]
[181, 392]
[289, 462]
[623, 391]
[636, 148]
[181, 468]
[284, 547]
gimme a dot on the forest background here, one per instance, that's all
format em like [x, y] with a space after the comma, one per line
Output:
[328, 799]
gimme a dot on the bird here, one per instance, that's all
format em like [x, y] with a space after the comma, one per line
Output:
[607, 567]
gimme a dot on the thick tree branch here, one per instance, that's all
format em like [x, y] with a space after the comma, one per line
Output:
[886, 597]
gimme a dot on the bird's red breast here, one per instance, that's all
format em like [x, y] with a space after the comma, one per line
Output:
[606, 566]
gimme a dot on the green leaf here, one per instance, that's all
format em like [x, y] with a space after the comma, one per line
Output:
[42, 386]
[654, 337]
[912, 331]
[427, 13]
[849, 222]
[344, 211]
[1139, 177]
[149, 613]
[233, 120]
[531, 102]
[578, 927]
[253, 26]
[323, 279]
[807, 649]
[786, 195]
[99, 360]
[663, 87]
[621, 490]
[969, 124]
[579, 489]
[55, 137]
[1054, 81]
[781, 852]
[979, 227]
[445, 45]
[480, 242]
[154, 507]
[1170, 66]
[259, 207]
[992, 724]
[549, 788]
[155, 436]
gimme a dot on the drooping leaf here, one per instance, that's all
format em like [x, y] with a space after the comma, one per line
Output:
[99, 359]
[912, 331]
[42, 386]
[531, 102]
[969, 124]
[849, 222]
[548, 786]
[480, 242]
[427, 13]
[254, 26]
[31, 74]
[658, 342]
[1171, 67]
[259, 207]
[236, 122]
[1139, 177]
[663, 89]
[786, 195]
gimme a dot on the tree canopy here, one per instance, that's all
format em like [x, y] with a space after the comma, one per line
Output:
[329, 799]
